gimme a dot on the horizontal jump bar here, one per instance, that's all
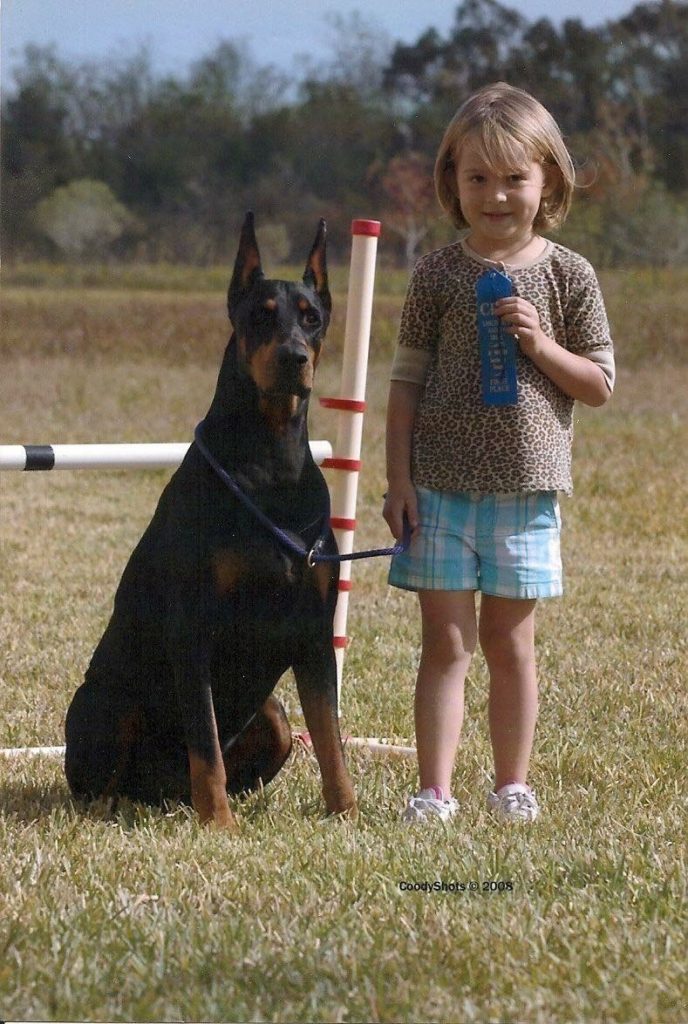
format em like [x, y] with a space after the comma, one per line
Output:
[110, 456]
[32, 752]
[375, 745]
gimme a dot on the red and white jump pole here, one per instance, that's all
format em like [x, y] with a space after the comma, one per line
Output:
[350, 406]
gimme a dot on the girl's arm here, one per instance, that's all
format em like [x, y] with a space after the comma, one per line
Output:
[401, 494]
[577, 376]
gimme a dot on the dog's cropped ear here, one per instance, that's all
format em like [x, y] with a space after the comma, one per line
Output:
[247, 267]
[315, 274]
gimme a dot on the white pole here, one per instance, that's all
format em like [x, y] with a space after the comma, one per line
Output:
[15, 752]
[351, 406]
[380, 747]
[109, 456]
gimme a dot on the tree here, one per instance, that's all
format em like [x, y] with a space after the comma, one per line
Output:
[36, 156]
[408, 184]
[187, 154]
[82, 218]
[360, 51]
[652, 78]
[229, 78]
[479, 50]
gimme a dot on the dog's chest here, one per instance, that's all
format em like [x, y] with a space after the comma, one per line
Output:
[263, 574]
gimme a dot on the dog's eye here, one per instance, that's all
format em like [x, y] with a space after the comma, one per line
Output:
[263, 315]
[310, 317]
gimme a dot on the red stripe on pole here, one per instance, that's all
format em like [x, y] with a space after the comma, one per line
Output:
[340, 523]
[345, 404]
[366, 227]
[352, 465]
[344, 585]
[340, 641]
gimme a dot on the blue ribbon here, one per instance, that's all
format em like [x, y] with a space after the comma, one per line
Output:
[497, 345]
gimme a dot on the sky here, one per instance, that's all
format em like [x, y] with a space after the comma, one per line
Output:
[279, 32]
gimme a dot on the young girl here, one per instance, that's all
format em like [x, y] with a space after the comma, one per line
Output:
[479, 481]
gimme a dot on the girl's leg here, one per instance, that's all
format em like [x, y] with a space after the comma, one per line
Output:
[449, 635]
[507, 637]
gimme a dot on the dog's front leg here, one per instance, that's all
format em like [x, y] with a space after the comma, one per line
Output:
[206, 766]
[316, 680]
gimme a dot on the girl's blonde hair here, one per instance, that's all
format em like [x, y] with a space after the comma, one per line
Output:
[507, 124]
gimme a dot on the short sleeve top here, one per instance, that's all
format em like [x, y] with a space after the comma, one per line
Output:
[460, 444]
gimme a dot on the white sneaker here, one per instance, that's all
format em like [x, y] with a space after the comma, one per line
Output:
[430, 803]
[514, 802]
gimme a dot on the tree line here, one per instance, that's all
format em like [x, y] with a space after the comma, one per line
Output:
[111, 160]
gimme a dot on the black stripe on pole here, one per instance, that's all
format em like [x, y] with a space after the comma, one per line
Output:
[39, 456]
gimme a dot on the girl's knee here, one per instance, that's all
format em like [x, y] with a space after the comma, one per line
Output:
[507, 631]
[509, 657]
[448, 649]
[449, 625]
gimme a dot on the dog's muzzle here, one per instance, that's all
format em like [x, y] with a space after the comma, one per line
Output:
[294, 370]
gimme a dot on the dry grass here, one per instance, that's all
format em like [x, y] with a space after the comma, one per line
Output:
[145, 916]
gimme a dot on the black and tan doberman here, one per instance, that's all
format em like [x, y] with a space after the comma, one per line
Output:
[212, 609]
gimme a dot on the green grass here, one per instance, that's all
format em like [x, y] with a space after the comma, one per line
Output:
[145, 916]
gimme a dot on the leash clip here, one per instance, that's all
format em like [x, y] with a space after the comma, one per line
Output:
[312, 557]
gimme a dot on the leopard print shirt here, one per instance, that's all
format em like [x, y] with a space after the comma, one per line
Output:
[460, 444]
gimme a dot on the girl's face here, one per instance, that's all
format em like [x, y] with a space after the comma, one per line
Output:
[499, 205]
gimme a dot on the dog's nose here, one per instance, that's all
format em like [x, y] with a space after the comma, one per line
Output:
[294, 354]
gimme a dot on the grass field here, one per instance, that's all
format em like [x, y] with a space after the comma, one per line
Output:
[144, 916]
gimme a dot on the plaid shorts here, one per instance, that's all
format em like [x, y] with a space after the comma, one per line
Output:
[507, 545]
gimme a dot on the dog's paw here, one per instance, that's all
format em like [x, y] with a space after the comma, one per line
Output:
[351, 813]
[225, 822]
[343, 805]
[217, 814]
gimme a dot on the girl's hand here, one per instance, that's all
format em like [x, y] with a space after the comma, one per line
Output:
[521, 319]
[400, 500]
[577, 376]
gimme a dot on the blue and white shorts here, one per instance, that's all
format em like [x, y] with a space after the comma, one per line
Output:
[507, 545]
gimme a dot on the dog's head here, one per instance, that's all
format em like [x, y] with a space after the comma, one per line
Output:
[279, 326]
